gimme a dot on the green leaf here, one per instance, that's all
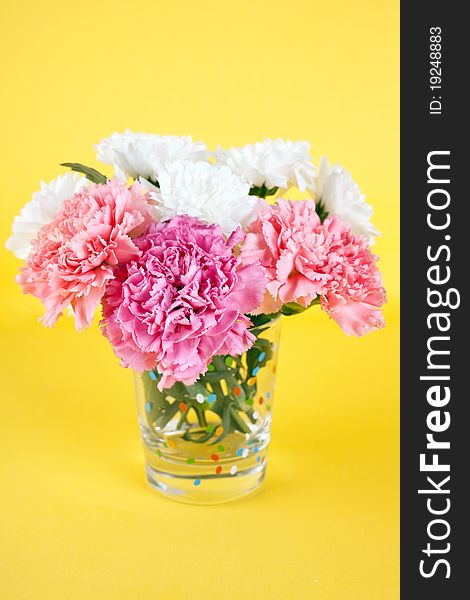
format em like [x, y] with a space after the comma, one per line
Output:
[262, 191]
[321, 211]
[259, 320]
[213, 377]
[154, 182]
[90, 173]
[271, 191]
[292, 308]
[252, 356]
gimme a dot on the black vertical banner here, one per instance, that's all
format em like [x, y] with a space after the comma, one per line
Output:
[435, 268]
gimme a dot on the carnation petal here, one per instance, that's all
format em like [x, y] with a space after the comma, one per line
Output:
[84, 306]
[273, 163]
[249, 291]
[339, 194]
[181, 300]
[71, 259]
[354, 318]
[40, 211]
[239, 338]
[210, 193]
[144, 155]
[304, 258]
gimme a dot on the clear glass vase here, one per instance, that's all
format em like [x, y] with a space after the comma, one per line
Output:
[207, 443]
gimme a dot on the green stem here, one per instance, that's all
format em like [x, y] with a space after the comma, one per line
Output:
[239, 422]
[166, 414]
[219, 363]
[182, 419]
[217, 389]
[201, 417]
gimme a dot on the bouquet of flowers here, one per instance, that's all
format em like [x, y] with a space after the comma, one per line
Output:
[192, 255]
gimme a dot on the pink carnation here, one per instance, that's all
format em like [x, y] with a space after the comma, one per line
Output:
[72, 258]
[182, 301]
[304, 259]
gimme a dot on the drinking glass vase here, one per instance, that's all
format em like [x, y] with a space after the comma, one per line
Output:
[207, 443]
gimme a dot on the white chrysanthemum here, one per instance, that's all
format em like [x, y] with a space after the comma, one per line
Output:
[144, 154]
[273, 163]
[41, 209]
[337, 192]
[209, 192]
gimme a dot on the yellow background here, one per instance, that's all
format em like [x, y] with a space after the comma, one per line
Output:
[76, 517]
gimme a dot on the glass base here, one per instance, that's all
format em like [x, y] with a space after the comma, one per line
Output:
[212, 476]
[210, 490]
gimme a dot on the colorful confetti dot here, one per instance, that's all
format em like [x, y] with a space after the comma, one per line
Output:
[268, 395]
[268, 407]
[239, 452]
[221, 448]
[190, 461]
[262, 356]
[233, 470]
[199, 398]
[211, 368]
[171, 443]
[170, 399]
[258, 458]
[236, 390]
[251, 381]
[197, 482]
[261, 400]
[245, 453]
[148, 406]
[255, 371]
[212, 398]
[249, 401]
[152, 376]
[256, 449]
[255, 415]
[218, 469]
[262, 459]
[183, 407]
[215, 457]
[219, 431]
[228, 360]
